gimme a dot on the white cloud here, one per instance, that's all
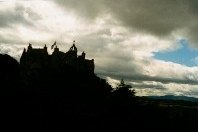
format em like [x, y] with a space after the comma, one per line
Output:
[14, 50]
[170, 89]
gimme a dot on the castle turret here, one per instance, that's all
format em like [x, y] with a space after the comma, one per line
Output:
[72, 53]
[83, 55]
[56, 49]
[29, 47]
[45, 48]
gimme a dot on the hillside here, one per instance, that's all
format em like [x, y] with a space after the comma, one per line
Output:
[172, 97]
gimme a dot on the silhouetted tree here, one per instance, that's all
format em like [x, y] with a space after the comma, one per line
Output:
[124, 91]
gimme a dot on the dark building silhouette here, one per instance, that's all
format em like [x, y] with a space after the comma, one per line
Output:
[35, 58]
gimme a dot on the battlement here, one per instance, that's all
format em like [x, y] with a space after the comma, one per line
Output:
[36, 58]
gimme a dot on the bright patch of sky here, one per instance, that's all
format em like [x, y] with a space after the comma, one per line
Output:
[184, 55]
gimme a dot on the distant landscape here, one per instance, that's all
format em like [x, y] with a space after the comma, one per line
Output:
[173, 97]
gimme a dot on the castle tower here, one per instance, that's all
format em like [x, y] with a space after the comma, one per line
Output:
[45, 48]
[73, 48]
[72, 53]
[29, 47]
[56, 49]
[83, 55]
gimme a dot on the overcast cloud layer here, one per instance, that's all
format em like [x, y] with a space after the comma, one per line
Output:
[122, 37]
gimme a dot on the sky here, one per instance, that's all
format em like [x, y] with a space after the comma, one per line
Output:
[151, 44]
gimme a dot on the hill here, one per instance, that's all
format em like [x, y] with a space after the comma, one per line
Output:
[172, 97]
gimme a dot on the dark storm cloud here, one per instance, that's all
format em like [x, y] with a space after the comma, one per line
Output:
[85, 8]
[138, 78]
[145, 86]
[154, 16]
[158, 17]
[12, 17]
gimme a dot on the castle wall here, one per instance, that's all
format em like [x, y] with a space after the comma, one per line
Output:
[39, 58]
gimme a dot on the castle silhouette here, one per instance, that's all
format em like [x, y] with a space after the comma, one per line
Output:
[36, 58]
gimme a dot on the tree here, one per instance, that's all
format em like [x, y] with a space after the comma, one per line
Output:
[124, 91]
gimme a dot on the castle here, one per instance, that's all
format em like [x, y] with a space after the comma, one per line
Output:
[36, 58]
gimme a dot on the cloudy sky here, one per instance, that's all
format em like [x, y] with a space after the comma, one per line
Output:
[152, 44]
